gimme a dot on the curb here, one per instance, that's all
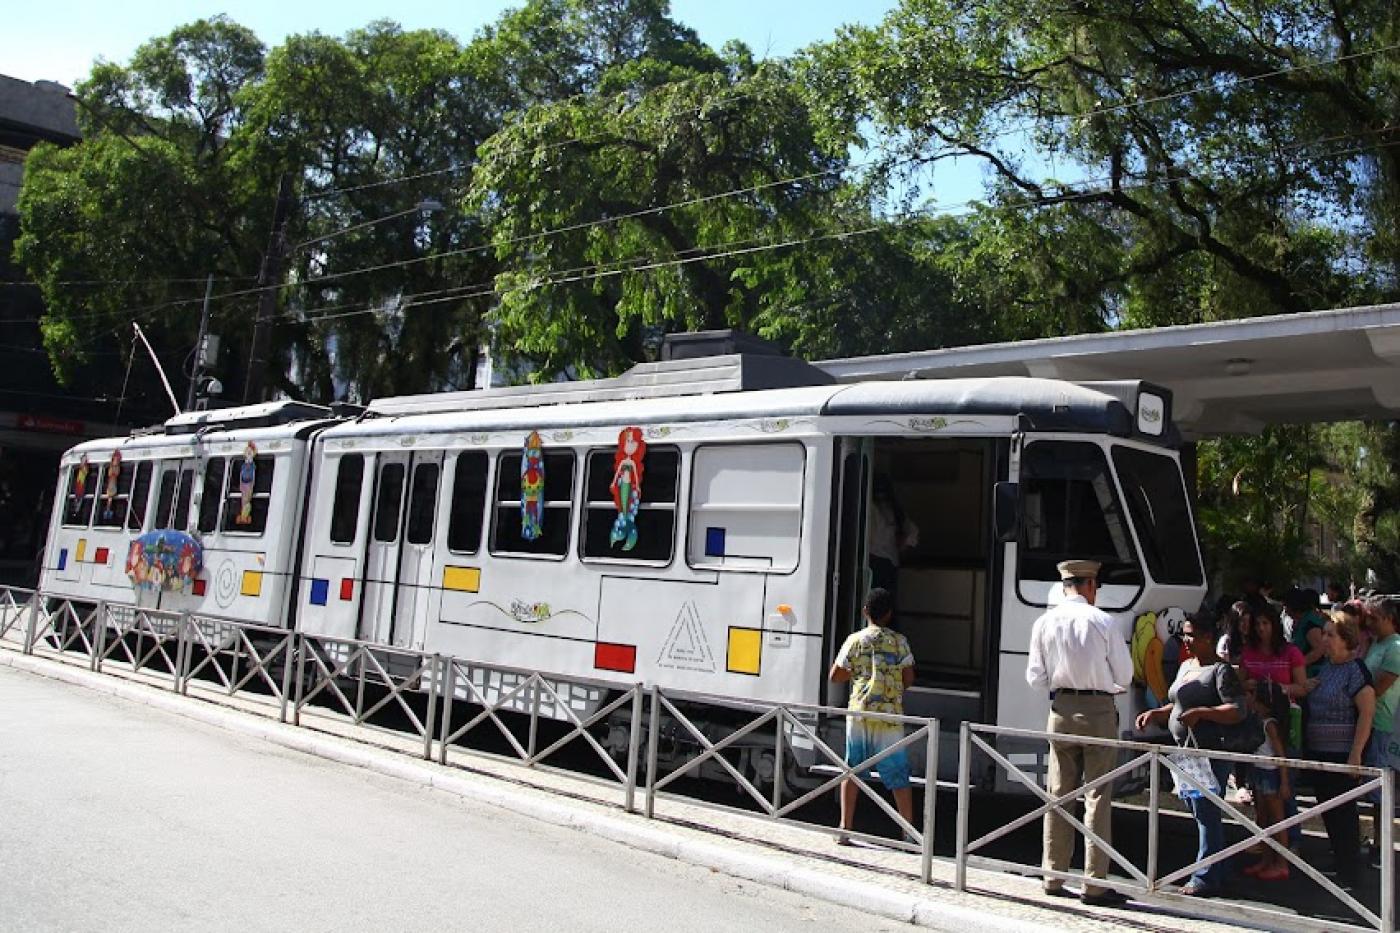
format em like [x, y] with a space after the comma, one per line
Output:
[868, 897]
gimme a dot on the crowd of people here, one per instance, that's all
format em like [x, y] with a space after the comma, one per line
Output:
[1324, 685]
[1275, 680]
[1272, 680]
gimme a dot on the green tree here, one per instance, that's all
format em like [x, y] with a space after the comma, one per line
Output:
[1236, 160]
[669, 199]
[1254, 496]
[1358, 498]
[175, 179]
[148, 204]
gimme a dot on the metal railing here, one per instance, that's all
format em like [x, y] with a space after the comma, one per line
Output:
[16, 604]
[1151, 883]
[530, 689]
[358, 680]
[140, 637]
[251, 652]
[335, 659]
[791, 724]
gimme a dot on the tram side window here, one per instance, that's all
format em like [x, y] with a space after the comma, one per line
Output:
[77, 505]
[422, 504]
[556, 508]
[386, 510]
[110, 511]
[180, 520]
[165, 499]
[746, 506]
[468, 502]
[605, 535]
[345, 510]
[1072, 511]
[212, 495]
[249, 495]
[140, 496]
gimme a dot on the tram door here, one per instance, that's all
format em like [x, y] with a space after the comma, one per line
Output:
[850, 575]
[415, 591]
[399, 562]
[382, 552]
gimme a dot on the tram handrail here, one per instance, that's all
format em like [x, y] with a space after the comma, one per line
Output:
[1151, 884]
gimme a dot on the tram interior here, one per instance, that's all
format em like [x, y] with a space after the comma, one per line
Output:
[941, 486]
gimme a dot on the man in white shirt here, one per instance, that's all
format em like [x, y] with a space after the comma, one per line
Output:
[1081, 660]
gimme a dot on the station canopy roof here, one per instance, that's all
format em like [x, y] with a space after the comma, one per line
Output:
[1226, 377]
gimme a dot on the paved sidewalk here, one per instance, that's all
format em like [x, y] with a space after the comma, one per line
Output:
[877, 881]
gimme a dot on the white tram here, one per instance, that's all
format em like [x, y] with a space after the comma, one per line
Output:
[748, 559]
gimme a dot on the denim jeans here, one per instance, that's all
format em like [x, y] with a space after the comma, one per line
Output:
[1211, 830]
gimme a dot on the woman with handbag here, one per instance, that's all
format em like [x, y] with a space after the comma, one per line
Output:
[1207, 700]
[1340, 712]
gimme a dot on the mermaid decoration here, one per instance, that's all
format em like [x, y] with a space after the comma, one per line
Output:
[114, 472]
[247, 476]
[80, 478]
[627, 486]
[532, 488]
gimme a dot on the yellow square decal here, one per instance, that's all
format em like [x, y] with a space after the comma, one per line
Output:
[465, 579]
[80, 552]
[252, 583]
[745, 649]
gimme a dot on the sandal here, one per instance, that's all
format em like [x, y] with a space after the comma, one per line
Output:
[1276, 873]
[1195, 889]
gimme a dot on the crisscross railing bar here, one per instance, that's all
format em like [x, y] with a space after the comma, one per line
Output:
[327, 681]
[1035, 788]
[1267, 834]
[78, 630]
[1057, 804]
[211, 654]
[857, 773]
[157, 646]
[396, 691]
[581, 729]
[712, 750]
[261, 664]
[13, 610]
[839, 761]
[489, 711]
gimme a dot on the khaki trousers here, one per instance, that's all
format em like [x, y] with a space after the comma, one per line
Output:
[1072, 766]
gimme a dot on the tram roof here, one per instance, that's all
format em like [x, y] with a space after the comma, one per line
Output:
[1046, 404]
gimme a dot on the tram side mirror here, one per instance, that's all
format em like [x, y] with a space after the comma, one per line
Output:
[1007, 511]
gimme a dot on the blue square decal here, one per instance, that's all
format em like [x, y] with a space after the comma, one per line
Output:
[714, 542]
[319, 590]
[62, 558]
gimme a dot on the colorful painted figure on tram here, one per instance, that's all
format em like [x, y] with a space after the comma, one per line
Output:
[626, 487]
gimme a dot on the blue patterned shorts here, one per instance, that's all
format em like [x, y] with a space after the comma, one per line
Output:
[866, 738]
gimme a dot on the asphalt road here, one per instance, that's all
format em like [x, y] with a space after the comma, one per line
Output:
[117, 817]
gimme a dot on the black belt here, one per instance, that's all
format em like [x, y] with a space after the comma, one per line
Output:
[1079, 693]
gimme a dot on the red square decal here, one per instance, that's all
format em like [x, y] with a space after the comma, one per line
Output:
[200, 586]
[610, 657]
[101, 556]
[347, 588]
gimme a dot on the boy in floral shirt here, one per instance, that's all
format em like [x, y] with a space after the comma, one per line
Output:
[879, 665]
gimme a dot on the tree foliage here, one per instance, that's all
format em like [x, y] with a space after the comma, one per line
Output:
[1231, 159]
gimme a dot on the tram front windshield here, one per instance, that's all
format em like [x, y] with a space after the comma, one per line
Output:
[1073, 512]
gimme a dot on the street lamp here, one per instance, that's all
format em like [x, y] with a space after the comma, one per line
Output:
[271, 275]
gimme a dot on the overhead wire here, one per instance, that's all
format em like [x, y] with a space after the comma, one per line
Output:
[745, 247]
[570, 228]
